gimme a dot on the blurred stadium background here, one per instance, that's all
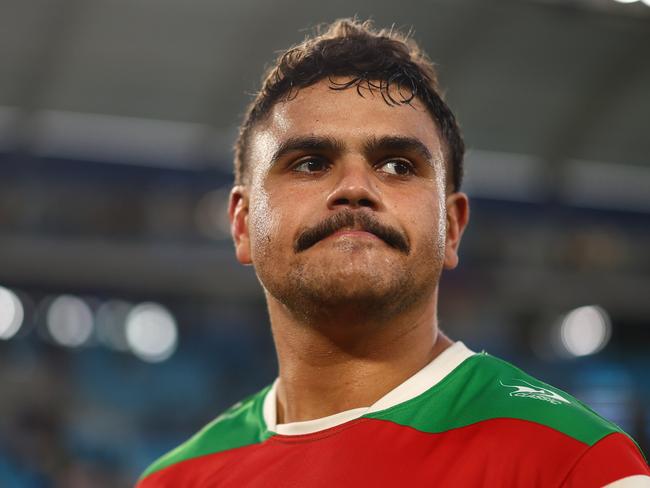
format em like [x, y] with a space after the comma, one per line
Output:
[125, 321]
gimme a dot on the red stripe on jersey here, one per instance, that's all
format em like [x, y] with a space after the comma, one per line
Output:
[370, 452]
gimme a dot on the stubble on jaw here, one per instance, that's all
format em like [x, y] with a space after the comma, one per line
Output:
[335, 287]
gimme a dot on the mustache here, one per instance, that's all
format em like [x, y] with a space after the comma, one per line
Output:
[351, 219]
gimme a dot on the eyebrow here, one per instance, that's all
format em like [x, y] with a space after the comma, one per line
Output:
[372, 145]
[307, 144]
[397, 144]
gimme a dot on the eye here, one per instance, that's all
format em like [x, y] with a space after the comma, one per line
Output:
[312, 165]
[398, 167]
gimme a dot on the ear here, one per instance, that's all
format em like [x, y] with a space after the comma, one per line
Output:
[238, 214]
[457, 218]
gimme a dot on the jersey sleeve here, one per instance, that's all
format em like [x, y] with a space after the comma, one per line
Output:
[613, 459]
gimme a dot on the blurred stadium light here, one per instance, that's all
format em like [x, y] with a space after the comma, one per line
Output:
[110, 321]
[646, 2]
[585, 330]
[11, 313]
[69, 321]
[151, 332]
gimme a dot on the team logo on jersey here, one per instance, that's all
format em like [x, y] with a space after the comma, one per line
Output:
[537, 392]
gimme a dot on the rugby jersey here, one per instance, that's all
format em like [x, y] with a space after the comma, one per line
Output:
[465, 419]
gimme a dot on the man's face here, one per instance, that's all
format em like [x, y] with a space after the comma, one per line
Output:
[345, 205]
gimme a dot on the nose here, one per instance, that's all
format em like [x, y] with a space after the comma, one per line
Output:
[354, 188]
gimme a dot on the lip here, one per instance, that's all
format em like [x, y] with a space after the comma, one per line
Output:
[354, 233]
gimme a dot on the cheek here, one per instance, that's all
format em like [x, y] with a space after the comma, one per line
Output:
[267, 225]
[429, 237]
[438, 225]
[261, 224]
[427, 219]
[434, 229]
[441, 195]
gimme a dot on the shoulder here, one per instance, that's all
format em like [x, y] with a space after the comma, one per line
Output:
[241, 425]
[496, 410]
[484, 388]
[504, 391]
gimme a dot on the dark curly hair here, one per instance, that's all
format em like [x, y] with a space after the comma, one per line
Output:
[374, 59]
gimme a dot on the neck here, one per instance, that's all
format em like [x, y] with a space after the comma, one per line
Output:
[344, 362]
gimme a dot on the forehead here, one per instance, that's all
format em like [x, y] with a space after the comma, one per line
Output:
[349, 115]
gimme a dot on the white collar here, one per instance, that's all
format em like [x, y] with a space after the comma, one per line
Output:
[427, 377]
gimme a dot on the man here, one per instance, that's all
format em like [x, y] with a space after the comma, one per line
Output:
[347, 203]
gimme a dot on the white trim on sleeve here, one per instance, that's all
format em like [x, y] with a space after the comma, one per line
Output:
[636, 481]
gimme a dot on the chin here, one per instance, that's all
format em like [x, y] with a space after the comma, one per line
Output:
[364, 290]
[368, 284]
[355, 277]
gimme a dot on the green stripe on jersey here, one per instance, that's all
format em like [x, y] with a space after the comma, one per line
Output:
[484, 387]
[241, 425]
